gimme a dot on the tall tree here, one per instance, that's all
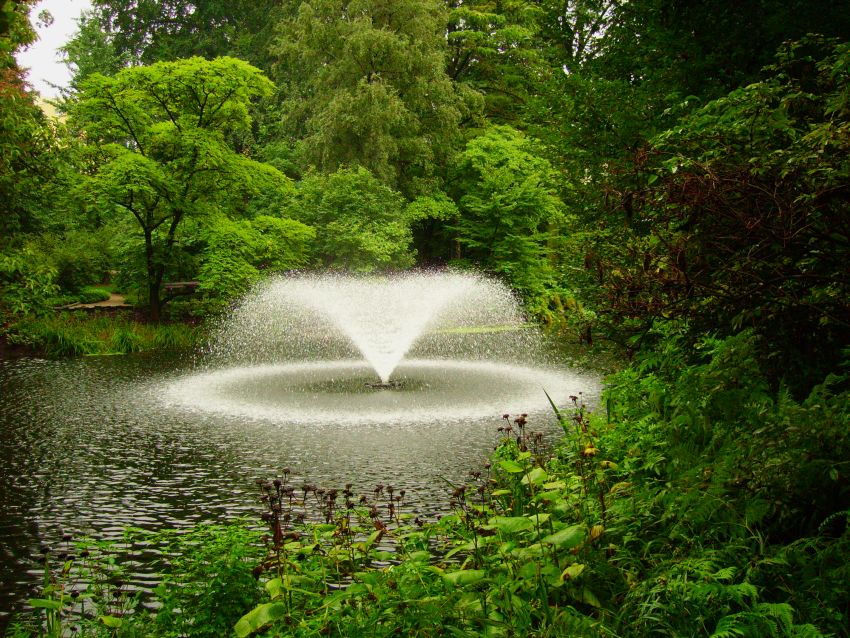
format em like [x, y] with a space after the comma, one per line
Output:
[366, 84]
[493, 48]
[160, 133]
[147, 31]
[25, 137]
[507, 205]
[91, 50]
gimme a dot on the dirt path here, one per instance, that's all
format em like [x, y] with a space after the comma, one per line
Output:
[114, 301]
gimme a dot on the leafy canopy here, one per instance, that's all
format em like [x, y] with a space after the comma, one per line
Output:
[361, 224]
[161, 137]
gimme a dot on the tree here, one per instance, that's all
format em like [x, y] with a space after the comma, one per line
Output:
[365, 84]
[493, 48]
[507, 204]
[743, 221]
[91, 50]
[361, 224]
[147, 31]
[159, 135]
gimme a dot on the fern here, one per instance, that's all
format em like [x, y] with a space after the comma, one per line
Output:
[764, 620]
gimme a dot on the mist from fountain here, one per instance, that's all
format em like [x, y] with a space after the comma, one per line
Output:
[382, 317]
[309, 348]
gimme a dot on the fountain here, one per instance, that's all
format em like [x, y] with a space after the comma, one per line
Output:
[400, 348]
[400, 379]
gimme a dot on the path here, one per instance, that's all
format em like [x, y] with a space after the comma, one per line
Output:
[114, 301]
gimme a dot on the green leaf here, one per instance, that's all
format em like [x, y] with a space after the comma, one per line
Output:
[275, 588]
[511, 466]
[464, 577]
[573, 571]
[537, 476]
[566, 538]
[258, 617]
[511, 524]
[111, 621]
[555, 485]
[45, 603]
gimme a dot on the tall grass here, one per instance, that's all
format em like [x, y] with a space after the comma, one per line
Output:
[73, 334]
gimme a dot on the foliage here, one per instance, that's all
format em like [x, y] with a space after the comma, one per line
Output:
[163, 158]
[361, 225]
[66, 334]
[742, 221]
[148, 31]
[90, 51]
[210, 581]
[237, 252]
[364, 84]
[80, 257]
[25, 136]
[492, 49]
[507, 208]
[27, 282]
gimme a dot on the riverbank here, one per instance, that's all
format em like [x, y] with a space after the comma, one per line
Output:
[106, 331]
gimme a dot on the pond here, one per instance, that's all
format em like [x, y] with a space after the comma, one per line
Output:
[89, 446]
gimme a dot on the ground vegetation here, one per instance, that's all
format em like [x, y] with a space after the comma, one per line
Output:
[665, 179]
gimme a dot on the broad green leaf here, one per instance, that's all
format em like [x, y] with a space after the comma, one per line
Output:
[258, 617]
[537, 476]
[45, 603]
[464, 577]
[511, 466]
[111, 621]
[511, 524]
[573, 571]
[274, 587]
[566, 538]
[541, 518]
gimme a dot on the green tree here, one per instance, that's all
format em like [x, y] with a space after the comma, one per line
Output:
[505, 193]
[91, 50]
[365, 84]
[494, 49]
[147, 31]
[743, 220]
[361, 224]
[237, 252]
[159, 135]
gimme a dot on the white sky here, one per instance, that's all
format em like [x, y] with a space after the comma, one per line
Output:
[41, 58]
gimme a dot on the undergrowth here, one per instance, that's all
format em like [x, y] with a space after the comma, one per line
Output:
[73, 334]
[702, 503]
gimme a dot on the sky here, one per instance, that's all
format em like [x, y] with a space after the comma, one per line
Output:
[41, 58]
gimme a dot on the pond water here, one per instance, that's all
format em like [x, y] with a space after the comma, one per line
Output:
[89, 446]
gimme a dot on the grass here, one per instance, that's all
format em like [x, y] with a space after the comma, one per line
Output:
[86, 294]
[72, 334]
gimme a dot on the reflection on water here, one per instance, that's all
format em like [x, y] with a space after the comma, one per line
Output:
[89, 446]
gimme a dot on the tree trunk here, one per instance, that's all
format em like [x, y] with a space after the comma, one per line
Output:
[154, 302]
[154, 280]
